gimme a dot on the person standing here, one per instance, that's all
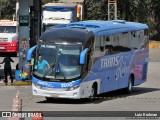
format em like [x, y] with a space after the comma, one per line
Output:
[7, 68]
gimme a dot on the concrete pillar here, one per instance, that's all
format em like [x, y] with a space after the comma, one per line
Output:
[24, 22]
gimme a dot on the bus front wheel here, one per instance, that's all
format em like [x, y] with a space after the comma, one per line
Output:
[94, 90]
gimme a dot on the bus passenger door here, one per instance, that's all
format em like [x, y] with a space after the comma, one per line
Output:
[108, 80]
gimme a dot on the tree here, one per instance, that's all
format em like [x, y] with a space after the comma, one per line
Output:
[144, 11]
[7, 9]
[156, 18]
[95, 9]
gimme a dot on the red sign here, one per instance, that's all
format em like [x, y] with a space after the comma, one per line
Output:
[7, 24]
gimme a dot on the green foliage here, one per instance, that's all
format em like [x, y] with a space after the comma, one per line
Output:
[95, 10]
[144, 11]
[7, 9]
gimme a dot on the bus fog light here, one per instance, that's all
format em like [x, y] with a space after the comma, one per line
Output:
[72, 88]
[35, 91]
[39, 87]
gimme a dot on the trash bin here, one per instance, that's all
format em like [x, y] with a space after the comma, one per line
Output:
[17, 75]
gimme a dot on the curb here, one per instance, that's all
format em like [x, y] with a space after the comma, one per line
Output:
[22, 83]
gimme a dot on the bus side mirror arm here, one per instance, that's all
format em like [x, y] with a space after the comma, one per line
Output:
[29, 53]
[83, 56]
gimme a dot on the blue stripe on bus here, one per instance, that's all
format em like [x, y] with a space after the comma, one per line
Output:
[56, 84]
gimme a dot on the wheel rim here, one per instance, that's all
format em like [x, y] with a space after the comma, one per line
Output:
[130, 85]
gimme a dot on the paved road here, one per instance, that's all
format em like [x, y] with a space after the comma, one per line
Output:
[145, 97]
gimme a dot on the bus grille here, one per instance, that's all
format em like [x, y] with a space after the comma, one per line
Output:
[3, 39]
[54, 89]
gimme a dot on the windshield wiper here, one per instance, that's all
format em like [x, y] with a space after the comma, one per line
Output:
[61, 72]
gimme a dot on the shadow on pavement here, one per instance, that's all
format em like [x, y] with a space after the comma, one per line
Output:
[10, 54]
[118, 94]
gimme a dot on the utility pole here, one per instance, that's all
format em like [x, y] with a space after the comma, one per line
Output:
[112, 9]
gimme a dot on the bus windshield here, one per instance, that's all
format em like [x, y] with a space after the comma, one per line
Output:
[7, 29]
[62, 62]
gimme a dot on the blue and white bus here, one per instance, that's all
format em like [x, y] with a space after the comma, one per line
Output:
[90, 57]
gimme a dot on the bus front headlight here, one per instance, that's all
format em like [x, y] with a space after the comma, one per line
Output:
[73, 88]
[37, 86]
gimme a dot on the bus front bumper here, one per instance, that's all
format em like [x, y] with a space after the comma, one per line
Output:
[8, 47]
[73, 94]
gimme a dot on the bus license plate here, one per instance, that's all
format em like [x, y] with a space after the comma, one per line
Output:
[1, 47]
[54, 95]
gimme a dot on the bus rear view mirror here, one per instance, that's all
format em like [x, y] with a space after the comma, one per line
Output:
[83, 56]
[30, 51]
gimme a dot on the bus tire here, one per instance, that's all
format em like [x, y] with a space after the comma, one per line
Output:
[130, 85]
[93, 90]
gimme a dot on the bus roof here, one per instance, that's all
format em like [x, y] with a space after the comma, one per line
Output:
[81, 31]
[57, 5]
[108, 27]
[71, 1]
[60, 35]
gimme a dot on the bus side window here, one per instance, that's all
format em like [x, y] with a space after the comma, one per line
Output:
[133, 33]
[108, 47]
[121, 42]
[107, 39]
[90, 52]
[144, 39]
[88, 62]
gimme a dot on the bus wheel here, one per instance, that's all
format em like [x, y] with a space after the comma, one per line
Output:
[94, 90]
[130, 85]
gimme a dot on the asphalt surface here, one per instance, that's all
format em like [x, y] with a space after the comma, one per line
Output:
[145, 97]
